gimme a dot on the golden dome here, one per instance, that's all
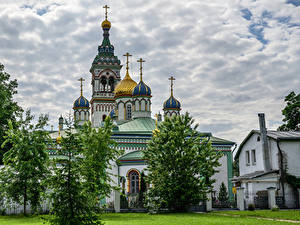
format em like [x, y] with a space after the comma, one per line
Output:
[58, 140]
[125, 87]
[106, 24]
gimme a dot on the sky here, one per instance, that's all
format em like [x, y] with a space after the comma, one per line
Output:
[232, 59]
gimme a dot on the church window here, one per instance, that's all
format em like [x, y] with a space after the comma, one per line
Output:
[140, 106]
[111, 84]
[146, 106]
[103, 83]
[258, 138]
[128, 112]
[103, 117]
[134, 182]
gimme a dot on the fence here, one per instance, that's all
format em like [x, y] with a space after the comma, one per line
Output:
[13, 208]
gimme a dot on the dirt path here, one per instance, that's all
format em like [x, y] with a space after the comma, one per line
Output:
[261, 218]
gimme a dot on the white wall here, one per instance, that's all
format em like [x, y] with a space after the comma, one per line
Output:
[252, 143]
[221, 176]
[292, 151]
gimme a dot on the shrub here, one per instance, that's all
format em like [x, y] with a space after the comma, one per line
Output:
[275, 208]
[251, 207]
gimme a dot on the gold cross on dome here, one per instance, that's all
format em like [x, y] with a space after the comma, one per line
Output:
[172, 79]
[127, 60]
[106, 7]
[81, 80]
[141, 68]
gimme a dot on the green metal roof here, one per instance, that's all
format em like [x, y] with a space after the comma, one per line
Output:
[132, 156]
[138, 125]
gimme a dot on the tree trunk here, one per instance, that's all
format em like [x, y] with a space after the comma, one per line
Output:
[25, 199]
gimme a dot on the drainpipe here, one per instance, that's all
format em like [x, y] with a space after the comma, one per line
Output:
[281, 170]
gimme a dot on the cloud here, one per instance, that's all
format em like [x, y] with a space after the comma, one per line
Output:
[231, 59]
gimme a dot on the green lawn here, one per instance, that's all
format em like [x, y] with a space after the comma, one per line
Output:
[282, 214]
[146, 219]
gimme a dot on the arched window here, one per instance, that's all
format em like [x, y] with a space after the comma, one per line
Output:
[111, 84]
[146, 103]
[103, 82]
[134, 181]
[103, 117]
[128, 112]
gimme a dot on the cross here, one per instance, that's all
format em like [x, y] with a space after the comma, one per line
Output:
[172, 79]
[106, 7]
[141, 68]
[81, 80]
[127, 60]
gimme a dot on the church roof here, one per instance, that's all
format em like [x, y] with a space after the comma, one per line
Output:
[138, 125]
[136, 155]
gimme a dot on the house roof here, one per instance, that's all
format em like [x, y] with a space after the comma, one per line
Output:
[276, 135]
[254, 175]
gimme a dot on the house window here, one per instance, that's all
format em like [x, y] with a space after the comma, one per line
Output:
[247, 158]
[134, 182]
[253, 157]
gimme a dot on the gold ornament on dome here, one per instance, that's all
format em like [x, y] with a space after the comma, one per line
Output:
[106, 23]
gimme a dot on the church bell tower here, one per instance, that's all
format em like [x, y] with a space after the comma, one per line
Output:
[105, 72]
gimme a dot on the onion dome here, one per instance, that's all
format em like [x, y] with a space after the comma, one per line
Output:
[141, 89]
[106, 24]
[81, 102]
[172, 103]
[112, 113]
[126, 86]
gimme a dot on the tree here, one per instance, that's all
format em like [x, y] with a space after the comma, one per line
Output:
[72, 203]
[98, 153]
[223, 194]
[9, 109]
[291, 113]
[25, 163]
[180, 164]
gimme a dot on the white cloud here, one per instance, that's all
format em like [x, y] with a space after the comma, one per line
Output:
[224, 74]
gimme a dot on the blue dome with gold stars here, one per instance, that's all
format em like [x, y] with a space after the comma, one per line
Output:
[81, 102]
[141, 89]
[172, 103]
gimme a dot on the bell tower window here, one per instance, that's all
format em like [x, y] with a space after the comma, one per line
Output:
[103, 83]
[111, 84]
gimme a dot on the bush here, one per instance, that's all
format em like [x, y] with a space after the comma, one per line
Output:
[275, 208]
[251, 207]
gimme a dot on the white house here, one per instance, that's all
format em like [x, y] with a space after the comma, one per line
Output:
[267, 159]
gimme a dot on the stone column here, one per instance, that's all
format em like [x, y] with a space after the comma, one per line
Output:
[208, 202]
[271, 197]
[240, 198]
[117, 201]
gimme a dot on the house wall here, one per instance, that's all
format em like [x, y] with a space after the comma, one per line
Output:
[292, 151]
[252, 143]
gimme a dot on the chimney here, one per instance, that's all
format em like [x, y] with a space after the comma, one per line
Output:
[264, 141]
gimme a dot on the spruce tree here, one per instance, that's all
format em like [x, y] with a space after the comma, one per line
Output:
[180, 164]
[223, 194]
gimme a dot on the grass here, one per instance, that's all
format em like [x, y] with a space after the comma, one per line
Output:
[281, 214]
[146, 219]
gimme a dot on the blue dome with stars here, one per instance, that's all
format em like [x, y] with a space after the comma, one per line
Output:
[81, 102]
[141, 89]
[172, 103]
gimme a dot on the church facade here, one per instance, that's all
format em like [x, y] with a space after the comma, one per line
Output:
[128, 103]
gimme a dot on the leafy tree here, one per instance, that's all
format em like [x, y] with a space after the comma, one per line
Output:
[291, 113]
[72, 205]
[180, 165]
[223, 194]
[25, 163]
[142, 190]
[98, 153]
[9, 109]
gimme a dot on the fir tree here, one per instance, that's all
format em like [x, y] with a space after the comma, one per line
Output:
[223, 194]
[180, 164]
